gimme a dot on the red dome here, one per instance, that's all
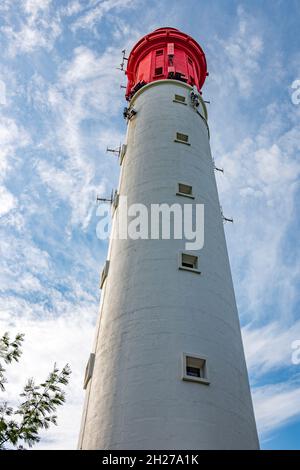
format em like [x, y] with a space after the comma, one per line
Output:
[165, 53]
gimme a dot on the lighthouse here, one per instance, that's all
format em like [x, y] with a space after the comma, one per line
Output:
[167, 368]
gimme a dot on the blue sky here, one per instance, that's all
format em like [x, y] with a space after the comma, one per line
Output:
[61, 105]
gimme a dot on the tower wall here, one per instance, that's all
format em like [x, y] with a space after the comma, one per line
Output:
[152, 312]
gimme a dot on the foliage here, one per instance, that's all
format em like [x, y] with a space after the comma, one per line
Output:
[38, 404]
[9, 351]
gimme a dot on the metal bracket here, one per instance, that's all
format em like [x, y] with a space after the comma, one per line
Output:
[113, 200]
[195, 97]
[217, 168]
[116, 151]
[128, 113]
[105, 199]
[225, 219]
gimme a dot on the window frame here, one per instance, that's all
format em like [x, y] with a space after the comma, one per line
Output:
[191, 378]
[104, 273]
[89, 370]
[176, 100]
[158, 74]
[183, 194]
[122, 153]
[181, 141]
[187, 268]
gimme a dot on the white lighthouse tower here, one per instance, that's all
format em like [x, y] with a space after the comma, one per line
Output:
[167, 370]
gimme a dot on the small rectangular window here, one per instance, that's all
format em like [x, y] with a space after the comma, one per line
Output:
[158, 71]
[122, 153]
[189, 262]
[104, 273]
[179, 99]
[185, 190]
[89, 370]
[159, 52]
[115, 201]
[195, 368]
[182, 138]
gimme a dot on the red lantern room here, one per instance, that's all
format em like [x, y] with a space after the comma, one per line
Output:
[166, 53]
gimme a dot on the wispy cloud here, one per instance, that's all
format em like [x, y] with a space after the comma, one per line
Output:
[239, 55]
[84, 93]
[12, 138]
[7, 201]
[258, 150]
[36, 29]
[43, 346]
[269, 347]
[61, 106]
[94, 11]
[276, 405]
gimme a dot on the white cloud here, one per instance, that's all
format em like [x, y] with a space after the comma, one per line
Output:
[260, 186]
[86, 66]
[12, 137]
[39, 28]
[85, 91]
[73, 186]
[269, 348]
[7, 201]
[276, 405]
[235, 60]
[2, 93]
[32, 7]
[72, 8]
[257, 149]
[81, 109]
[95, 11]
[55, 323]
[52, 339]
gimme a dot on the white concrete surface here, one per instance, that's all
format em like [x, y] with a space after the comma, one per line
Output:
[152, 312]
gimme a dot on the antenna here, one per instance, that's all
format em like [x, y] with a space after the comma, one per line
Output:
[217, 168]
[123, 60]
[116, 151]
[225, 219]
[104, 199]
